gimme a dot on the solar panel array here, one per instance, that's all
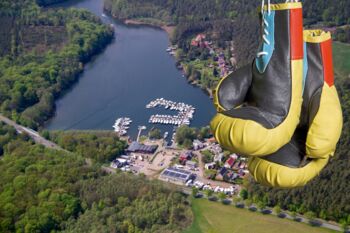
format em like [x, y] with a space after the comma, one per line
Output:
[178, 170]
[176, 173]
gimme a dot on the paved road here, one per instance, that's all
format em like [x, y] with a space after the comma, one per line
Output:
[31, 133]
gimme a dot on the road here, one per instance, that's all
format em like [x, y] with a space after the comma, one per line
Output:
[31, 133]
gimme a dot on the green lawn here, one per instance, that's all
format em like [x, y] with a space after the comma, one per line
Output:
[214, 217]
[341, 59]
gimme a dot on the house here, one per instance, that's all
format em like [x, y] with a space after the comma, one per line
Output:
[115, 164]
[195, 43]
[218, 157]
[197, 145]
[236, 165]
[231, 176]
[118, 163]
[221, 174]
[209, 166]
[127, 157]
[242, 165]
[216, 148]
[211, 140]
[241, 173]
[223, 171]
[191, 164]
[234, 176]
[199, 41]
[136, 147]
[185, 156]
[230, 161]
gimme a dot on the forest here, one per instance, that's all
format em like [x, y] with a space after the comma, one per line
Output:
[223, 19]
[42, 53]
[185, 135]
[43, 190]
[100, 146]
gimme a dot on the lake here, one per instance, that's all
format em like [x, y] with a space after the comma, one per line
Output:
[133, 70]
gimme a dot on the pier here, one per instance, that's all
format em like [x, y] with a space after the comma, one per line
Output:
[121, 125]
[184, 116]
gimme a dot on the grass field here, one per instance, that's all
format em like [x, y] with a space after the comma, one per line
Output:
[214, 217]
[341, 59]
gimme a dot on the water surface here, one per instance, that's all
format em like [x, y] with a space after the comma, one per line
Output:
[133, 70]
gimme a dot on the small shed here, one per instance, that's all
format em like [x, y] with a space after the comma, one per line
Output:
[191, 164]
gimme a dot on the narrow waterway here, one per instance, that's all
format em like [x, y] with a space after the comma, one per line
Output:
[133, 70]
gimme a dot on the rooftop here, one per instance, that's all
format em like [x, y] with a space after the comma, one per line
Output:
[137, 147]
[176, 174]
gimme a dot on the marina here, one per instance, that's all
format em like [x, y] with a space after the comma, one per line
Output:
[184, 116]
[121, 125]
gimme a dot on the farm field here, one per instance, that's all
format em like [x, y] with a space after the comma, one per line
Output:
[214, 217]
[341, 54]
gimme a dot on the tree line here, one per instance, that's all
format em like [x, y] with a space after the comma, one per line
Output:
[44, 190]
[99, 146]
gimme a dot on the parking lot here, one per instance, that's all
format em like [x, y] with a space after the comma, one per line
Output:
[152, 165]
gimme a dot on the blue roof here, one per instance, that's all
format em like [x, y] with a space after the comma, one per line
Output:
[176, 173]
[223, 171]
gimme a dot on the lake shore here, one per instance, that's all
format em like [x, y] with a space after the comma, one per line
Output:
[167, 28]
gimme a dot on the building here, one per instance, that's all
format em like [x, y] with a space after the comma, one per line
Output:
[209, 166]
[216, 148]
[218, 157]
[191, 164]
[127, 157]
[238, 165]
[176, 175]
[199, 41]
[118, 163]
[230, 162]
[197, 145]
[210, 140]
[136, 147]
[223, 171]
[185, 156]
